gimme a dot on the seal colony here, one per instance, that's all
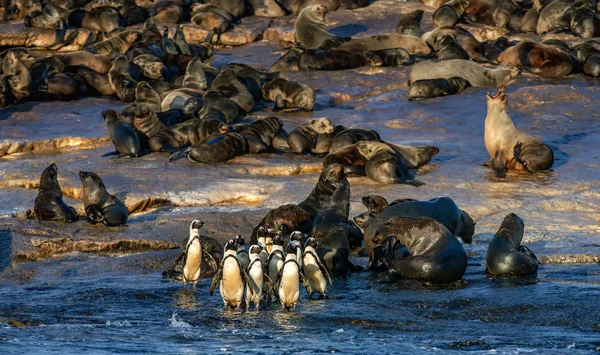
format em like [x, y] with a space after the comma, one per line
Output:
[183, 106]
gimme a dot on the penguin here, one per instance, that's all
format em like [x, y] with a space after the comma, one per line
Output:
[179, 40]
[258, 277]
[264, 254]
[289, 278]
[269, 239]
[276, 258]
[316, 273]
[242, 254]
[296, 238]
[231, 277]
[193, 256]
[168, 45]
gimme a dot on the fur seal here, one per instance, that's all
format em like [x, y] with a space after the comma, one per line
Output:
[260, 134]
[51, 17]
[447, 48]
[16, 77]
[284, 219]
[584, 22]
[97, 81]
[228, 84]
[508, 147]
[289, 94]
[145, 94]
[589, 54]
[494, 48]
[428, 88]
[49, 205]
[219, 102]
[152, 67]
[323, 141]
[394, 57]
[450, 13]
[198, 76]
[464, 39]
[541, 59]
[100, 206]
[146, 121]
[384, 164]
[121, 134]
[436, 255]
[192, 132]
[348, 157]
[530, 20]
[96, 62]
[101, 19]
[475, 74]
[121, 81]
[119, 43]
[266, 8]
[216, 150]
[352, 135]
[552, 16]
[502, 11]
[16, 9]
[169, 12]
[410, 24]
[412, 44]
[415, 157]
[318, 59]
[330, 179]
[301, 139]
[506, 256]
[310, 29]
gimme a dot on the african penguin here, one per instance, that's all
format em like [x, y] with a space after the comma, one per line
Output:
[258, 277]
[316, 273]
[193, 256]
[232, 279]
[289, 278]
[242, 254]
[264, 254]
[276, 258]
[296, 238]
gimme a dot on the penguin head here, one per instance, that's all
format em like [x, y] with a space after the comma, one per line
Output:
[296, 235]
[261, 231]
[197, 224]
[255, 249]
[311, 242]
[240, 240]
[291, 248]
[231, 245]
[278, 240]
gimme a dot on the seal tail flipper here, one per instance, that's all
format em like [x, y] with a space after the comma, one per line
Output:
[179, 153]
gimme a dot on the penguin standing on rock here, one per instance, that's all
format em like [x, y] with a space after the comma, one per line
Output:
[316, 273]
[289, 278]
[231, 277]
[242, 254]
[193, 256]
[258, 277]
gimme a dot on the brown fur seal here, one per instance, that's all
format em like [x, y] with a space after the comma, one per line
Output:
[589, 54]
[301, 139]
[348, 157]
[584, 23]
[331, 178]
[96, 62]
[336, 60]
[121, 135]
[145, 94]
[216, 150]
[267, 8]
[447, 48]
[502, 11]
[120, 80]
[464, 38]
[228, 84]
[410, 24]
[509, 148]
[146, 121]
[412, 44]
[289, 94]
[97, 81]
[552, 16]
[475, 74]
[49, 205]
[428, 88]
[152, 67]
[211, 18]
[192, 132]
[119, 43]
[199, 75]
[310, 29]
[436, 255]
[394, 57]
[51, 17]
[100, 206]
[530, 20]
[101, 19]
[540, 59]
[260, 134]
[352, 135]
[450, 13]
[384, 164]
[415, 157]
[169, 12]
[506, 256]
[494, 48]
[16, 9]
[16, 77]
[217, 101]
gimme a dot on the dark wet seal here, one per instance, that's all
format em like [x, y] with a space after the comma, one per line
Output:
[384, 164]
[123, 137]
[49, 205]
[101, 206]
[302, 139]
[121, 81]
[430, 88]
[317, 59]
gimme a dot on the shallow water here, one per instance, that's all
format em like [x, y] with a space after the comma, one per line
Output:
[73, 308]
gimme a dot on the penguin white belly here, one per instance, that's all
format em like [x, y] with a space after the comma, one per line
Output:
[289, 286]
[315, 277]
[256, 274]
[191, 269]
[232, 284]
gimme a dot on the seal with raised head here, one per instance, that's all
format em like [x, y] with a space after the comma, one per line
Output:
[49, 205]
[16, 77]
[121, 134]
[436, 255]
[429, 88]
[384, 164]
[121, 81]
[330, 179]
[506, 256]
[310, 29]
[348, 157]
[301, 139]
[145, 94]
[508, 147]
[472, 72]
[289, 94]
[100, 206]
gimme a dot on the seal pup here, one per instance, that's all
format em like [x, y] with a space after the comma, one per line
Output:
[100, 206]
[315, 272]
[508, 147]
[429, 88]
[257, 275]
[288, 280]
[310, 29]
[231, 278]
[472, 72]
[301, 139]
[192, 260]
[436, 255]
[384, 164]
[506, 256]
[121, 135]
[289, 94]
[49, 205]
[242, 253]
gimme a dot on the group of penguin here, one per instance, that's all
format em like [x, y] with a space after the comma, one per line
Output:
[265, 270]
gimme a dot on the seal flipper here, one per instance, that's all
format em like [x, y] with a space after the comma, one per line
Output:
[525, 250]
[179, 153]
[93, 214]
[499, 164]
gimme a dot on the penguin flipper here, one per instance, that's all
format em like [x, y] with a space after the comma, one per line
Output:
[218, 276]
[279, 275]
[249, 281]
[210, 260]
[324, 271]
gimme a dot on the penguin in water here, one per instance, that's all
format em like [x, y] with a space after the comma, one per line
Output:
[231, 278]
[276, 258]
[193, 256]
[258, 277]
[168, 45]
[316, 273]
[264, 254]
[179, 40]
[296, 238]
[289, 278]
[242, 254]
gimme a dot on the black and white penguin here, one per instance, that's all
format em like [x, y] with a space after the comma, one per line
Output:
[258, 276]
[316, 273]
[193, 256]
[276, 258]
[289, 278]
[231, 278]
[296, 238]
[269, 236]
[242, 254]
[261, 239]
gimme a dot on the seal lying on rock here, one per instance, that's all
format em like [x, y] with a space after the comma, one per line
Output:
[49, 205]
[100, 206]
[301, 139]
[505, 255]
[508, 147]
[384, 164]
[289, 94]
[475, 74]
[429, 88]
